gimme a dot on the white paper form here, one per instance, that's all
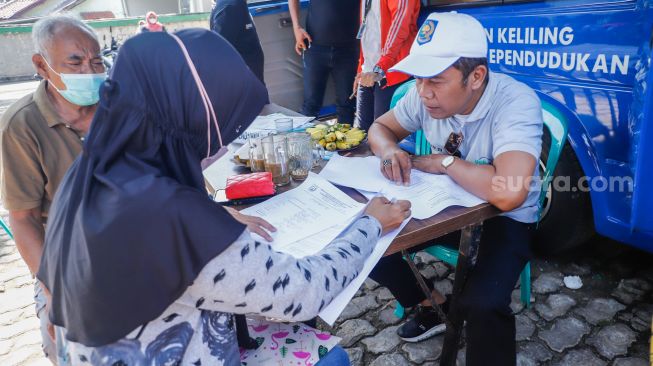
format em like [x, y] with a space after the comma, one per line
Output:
[428, 193]
[332, 311]
[361, 173]
[314, 243]
[305, 211]
[355, 172]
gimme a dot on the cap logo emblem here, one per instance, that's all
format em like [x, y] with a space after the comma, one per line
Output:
[426, 32]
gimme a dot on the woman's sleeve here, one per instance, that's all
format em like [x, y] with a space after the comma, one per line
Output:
[250, 277]
[403, 14]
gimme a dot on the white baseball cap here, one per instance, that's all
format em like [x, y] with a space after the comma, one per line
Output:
[441, 41]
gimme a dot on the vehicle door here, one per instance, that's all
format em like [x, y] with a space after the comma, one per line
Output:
[283, 67]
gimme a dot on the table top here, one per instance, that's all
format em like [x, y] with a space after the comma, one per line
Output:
[416, 231]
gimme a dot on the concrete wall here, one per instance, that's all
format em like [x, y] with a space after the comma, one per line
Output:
[120, 8]
[17, 49]
[101, 5]
[138, 8]
[16, 56]
[49, 7]
[201, 6]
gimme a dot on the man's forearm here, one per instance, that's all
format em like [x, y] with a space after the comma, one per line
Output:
[474, 178]
[293, 7]
[505, 191]
[382, 139]
[29, 235]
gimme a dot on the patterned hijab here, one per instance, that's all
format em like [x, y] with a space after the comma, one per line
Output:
[131, 225]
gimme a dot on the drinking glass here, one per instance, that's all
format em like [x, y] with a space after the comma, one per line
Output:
[283, 125]
[256, 156]
[318, 154]
[301, 158]
[275, 151]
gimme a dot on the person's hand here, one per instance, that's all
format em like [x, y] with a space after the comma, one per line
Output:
[51, 333]
[354, 88]
[390, 214]
[300, 36]
[254, 224]
[368, 79]
[396, 165]
[429, 163]
[48, 301]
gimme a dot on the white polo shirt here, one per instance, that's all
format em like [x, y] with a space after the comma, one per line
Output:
[508, 117]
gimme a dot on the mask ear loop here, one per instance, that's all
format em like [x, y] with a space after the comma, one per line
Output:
[205, 97]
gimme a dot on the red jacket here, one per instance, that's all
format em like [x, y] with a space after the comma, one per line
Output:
[398, 30]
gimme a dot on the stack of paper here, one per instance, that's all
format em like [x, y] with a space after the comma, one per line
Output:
[315, 207]
[264, 125]
[428, 193]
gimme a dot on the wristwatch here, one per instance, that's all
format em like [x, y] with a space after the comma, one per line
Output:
[378, 70]
[448, 161]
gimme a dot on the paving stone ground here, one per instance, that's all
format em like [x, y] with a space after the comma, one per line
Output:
[588, 326]
[20, 338]
[606, 322]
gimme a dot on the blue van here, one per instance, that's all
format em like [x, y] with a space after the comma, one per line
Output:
[590, 60]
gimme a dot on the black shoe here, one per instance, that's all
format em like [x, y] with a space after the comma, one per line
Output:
[423, 324]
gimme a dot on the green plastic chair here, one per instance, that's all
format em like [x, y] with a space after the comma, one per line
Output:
[6, 228]
[400, 92]
[556, 124]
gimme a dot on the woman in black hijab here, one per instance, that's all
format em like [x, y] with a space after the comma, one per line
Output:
[142, 267]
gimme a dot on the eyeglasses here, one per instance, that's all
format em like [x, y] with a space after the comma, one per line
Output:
[453, 143]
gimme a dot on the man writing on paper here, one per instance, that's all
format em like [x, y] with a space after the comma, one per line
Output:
[485, 130]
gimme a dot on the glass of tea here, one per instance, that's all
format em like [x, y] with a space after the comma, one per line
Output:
[301, 158]
[275, 152]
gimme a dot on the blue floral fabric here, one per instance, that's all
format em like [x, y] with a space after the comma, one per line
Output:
[169, 347]
[215, 332]
[214, 337]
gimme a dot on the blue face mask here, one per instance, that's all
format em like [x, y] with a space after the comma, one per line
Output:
[81, 89]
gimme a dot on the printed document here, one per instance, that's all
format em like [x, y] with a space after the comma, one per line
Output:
[355, 172]
[314, 243]
[428, 193]
[307, 210]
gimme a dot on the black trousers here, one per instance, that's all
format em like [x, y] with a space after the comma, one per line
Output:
[372, 102]
[322, 61]
[503, 252]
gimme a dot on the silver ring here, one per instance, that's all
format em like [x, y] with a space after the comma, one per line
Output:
[387, 162]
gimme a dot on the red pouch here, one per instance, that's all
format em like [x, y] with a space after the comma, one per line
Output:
[249, 185]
